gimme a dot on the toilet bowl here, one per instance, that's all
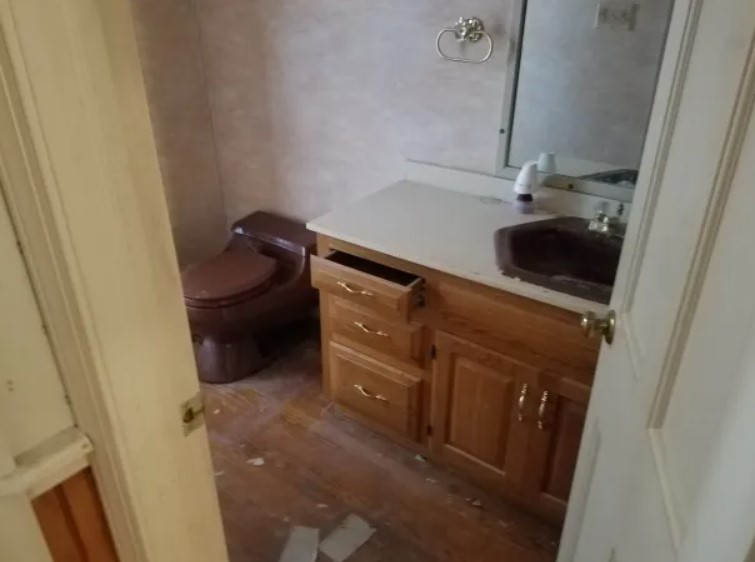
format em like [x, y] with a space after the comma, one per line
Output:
[239, 300]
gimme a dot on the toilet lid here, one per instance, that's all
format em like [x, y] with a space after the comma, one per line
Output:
[231, 275]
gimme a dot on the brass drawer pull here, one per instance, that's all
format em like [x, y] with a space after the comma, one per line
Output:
[367, 330]
[523, 401]
[367, 394]
[541, 410]
[352, 291]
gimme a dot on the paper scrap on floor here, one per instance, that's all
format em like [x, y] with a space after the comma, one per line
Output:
[302, 545]
[347, 538]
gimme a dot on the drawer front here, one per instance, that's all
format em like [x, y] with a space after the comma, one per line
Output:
[535, 333]
[368, 284]
[375, 390]
[402, 340]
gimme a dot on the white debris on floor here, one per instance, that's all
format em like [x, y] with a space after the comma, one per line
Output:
[347, 538]
[420, 458]
[322, 506]
[302, 545]
[256, 461]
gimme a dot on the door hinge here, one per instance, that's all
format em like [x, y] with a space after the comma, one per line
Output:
[192, 413]
[433, 351]
[429, 430]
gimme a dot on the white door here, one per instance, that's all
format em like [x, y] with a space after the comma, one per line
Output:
[666, 467]
[79, 175]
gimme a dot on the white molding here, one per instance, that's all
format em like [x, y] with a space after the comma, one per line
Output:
[21, 538]
[27, 176]
[48, 464]
[580, 492]
[20, 535]
[83, 186]
[668, 96]
[670, 501]
[731, 154]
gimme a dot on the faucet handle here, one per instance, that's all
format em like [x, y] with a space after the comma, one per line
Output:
[603, 222]
[602, 211]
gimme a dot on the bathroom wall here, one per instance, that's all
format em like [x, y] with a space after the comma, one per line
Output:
[297, 106]
[318, 102]
[586, 93]
[170, 50]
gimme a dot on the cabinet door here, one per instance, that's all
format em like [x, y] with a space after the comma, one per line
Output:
[481, 404]
[554, 445]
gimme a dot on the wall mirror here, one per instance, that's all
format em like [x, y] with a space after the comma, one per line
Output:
[580, 94]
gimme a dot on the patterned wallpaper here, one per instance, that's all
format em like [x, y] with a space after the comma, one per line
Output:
[295, 106]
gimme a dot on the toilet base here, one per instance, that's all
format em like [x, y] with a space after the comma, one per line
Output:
[231, 359]
[228, 361]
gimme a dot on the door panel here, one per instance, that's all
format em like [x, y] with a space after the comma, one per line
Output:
[665, 386]
[475, 409]
[27, 364]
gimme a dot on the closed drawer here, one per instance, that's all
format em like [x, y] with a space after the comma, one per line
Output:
[375, 286]
[402, 340]
[540, 335]
[375, 390]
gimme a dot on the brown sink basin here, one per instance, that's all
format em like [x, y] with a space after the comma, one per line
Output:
[560, 254]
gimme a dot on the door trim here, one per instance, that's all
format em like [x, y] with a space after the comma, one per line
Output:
[82, 183]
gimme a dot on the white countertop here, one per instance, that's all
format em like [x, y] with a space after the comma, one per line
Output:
[443, 230]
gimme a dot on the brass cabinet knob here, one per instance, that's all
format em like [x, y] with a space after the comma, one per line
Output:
[522, 402]
[541, 423]
[593, 326]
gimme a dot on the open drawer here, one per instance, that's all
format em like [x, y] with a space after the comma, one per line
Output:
[372, 285]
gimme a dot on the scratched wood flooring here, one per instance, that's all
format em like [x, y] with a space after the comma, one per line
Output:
[320, 467]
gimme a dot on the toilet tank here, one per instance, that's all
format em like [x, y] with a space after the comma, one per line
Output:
[267, 229]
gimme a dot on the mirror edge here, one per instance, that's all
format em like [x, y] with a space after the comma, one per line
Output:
[515, 23]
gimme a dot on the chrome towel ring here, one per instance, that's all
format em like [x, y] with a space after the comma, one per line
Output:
[466, 30]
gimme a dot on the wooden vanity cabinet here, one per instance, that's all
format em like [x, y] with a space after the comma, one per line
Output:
[513, 426]
[492, 384]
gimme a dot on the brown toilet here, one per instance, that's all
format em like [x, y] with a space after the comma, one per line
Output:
[239, 301]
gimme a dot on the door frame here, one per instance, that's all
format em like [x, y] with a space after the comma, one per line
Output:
[82, 184]
[81, 180]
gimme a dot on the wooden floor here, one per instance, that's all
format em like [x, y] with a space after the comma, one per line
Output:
[319, 467]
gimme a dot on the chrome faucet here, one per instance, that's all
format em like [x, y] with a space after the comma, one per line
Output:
[606, 225]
